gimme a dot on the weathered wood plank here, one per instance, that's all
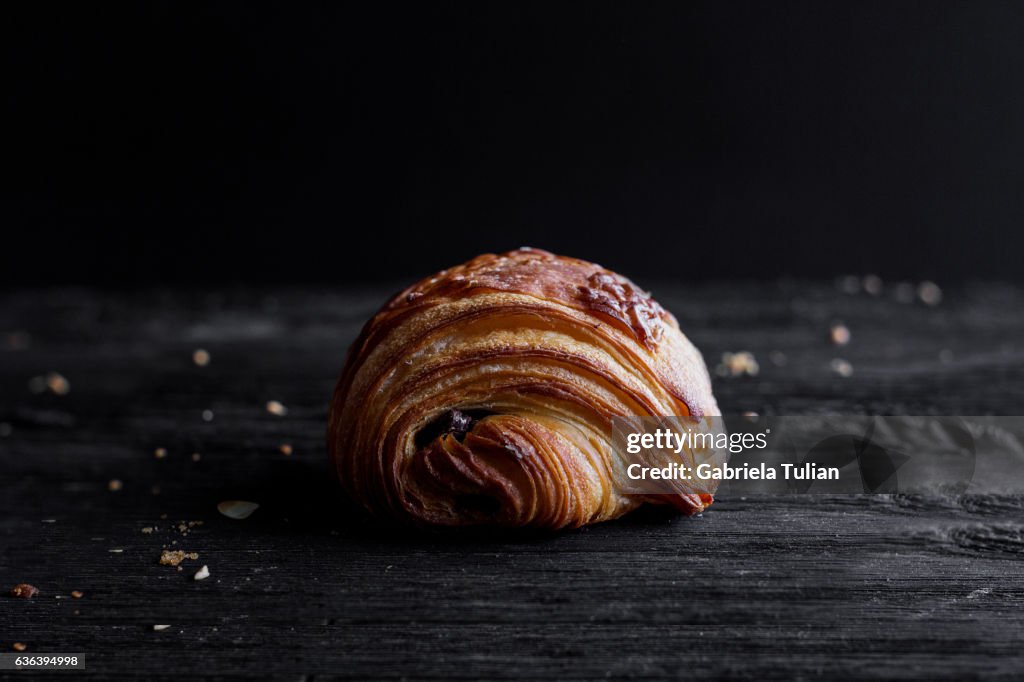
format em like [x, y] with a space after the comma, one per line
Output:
[774, 588]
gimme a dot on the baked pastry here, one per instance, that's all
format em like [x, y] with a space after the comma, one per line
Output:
[485, 394]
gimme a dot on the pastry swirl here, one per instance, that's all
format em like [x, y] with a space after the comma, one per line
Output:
[484, 395]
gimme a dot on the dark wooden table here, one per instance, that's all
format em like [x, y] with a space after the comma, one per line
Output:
[773, 588]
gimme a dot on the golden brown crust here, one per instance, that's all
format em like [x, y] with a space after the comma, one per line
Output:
[484, 394]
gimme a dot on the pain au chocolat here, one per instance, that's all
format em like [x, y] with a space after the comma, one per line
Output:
[484, 395]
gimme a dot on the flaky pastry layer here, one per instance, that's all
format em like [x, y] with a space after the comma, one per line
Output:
[484, 395]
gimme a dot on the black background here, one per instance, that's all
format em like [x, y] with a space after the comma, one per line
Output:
[221, 143]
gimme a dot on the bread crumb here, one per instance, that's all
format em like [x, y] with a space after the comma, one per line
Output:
[147, 530]
[77, 594]
[114, 485]
[158, 628]
[200, 357]
[202, 574]
[160, 453]
[19, 646]
[286, 449]
[276, 408]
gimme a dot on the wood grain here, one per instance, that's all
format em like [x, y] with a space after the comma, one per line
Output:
[774, 588]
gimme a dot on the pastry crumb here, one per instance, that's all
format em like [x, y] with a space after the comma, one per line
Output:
[741, 363]
[77, 594]
[873, 284]
[114, 485]
[57, 384]
[200, 357]
[929, 293]
[19, 646]
[842, 367]
[286, 449]
[19, 340]
[53, 382]
[839, 334]
[175, 557]
[904, 292]
[202, 574]
[849, 284]
[24, 591]
[276, 408]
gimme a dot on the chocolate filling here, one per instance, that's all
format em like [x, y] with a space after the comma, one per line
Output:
[455, 422]
[477, 504]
